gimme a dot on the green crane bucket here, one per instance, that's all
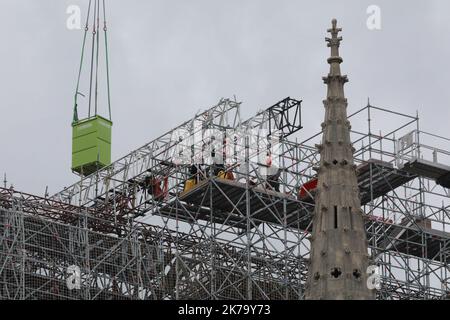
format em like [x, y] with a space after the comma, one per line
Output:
[91, 144]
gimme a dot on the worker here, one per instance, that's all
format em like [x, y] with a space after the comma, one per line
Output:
[220, 171]
[307, 190]
[193, 178]
[153, 186]
[273, 181]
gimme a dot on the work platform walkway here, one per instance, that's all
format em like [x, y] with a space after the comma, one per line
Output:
[414, 237]
[376, 178]
[432, 170]
[231, 203]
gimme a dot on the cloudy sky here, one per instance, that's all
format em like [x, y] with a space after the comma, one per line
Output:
[171, 58]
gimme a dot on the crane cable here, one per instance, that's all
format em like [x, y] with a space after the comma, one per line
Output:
[94, 60]
[107, 60]
[86, 28]
[97, 53]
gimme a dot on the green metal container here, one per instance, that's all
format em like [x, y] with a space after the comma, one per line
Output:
[91, 144]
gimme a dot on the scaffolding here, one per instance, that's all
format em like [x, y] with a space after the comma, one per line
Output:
[230, 238]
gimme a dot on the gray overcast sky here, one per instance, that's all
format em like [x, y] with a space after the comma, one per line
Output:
[168, 59]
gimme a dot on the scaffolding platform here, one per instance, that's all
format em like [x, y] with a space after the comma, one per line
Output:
[416, 237]
[227, 202]
[376, 178]
[429, 169]
[230, 205]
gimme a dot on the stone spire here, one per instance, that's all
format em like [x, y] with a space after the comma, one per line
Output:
[339, 256]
